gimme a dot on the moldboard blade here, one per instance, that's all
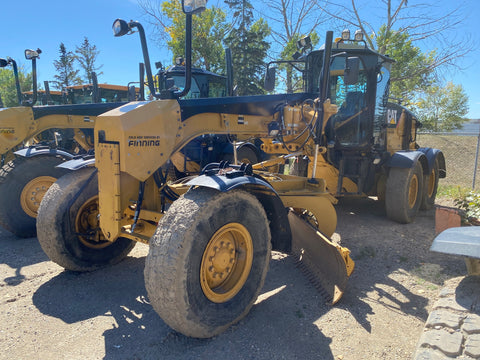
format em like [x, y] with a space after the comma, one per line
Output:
[321, 260]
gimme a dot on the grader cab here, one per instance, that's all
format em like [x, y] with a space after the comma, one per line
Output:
[210, 236]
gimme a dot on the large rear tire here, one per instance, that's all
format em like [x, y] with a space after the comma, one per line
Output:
[68, 228]
[403, 193]
[23, 183]
[208, 261]
[430, 186]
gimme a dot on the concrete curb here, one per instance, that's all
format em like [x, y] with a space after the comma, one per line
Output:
[452, 330]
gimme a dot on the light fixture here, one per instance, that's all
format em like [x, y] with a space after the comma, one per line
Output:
[358, 35]
[346, 34]
[180, 61]
[120, 27]
[32, 54]
[304, 42]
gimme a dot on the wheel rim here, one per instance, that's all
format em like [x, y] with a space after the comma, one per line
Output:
[87, 225]
[33, 193]
[413, 192]
[226, 262]
[431, 184]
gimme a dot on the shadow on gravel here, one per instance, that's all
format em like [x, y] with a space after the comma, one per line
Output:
[467, 294]
[386, 258]
[282, 324]
[18, 253]
[272, 330]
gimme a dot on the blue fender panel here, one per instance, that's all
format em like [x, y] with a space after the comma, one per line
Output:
[407, 159]
[35, 151]
[225, 183]
[433, 154]
[78, 163]
[263, 191]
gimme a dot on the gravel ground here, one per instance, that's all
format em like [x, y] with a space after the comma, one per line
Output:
[47, 312]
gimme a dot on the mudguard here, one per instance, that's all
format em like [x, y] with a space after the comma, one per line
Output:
[78, 162]
[433, 154]
[264, 192]
[407, 159]
[43, 150]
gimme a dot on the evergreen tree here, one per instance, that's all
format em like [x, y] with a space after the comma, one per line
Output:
[87, 56]
[66, 75]
[249, 48]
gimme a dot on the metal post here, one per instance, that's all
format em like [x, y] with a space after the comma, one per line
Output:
[476, 162]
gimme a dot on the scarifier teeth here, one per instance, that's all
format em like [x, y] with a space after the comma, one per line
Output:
[319, 259]
[313, 280]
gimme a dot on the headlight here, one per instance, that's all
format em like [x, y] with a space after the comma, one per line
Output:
[120, 27]
[346, 34]
[358, 35]
[32, 54]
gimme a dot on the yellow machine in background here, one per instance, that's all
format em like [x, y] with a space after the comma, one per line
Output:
[34, 139]
[211, 235]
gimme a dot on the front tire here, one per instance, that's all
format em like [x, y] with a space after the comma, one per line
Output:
[23, 184]
[403, 193]
[68, 228]
[208, 261]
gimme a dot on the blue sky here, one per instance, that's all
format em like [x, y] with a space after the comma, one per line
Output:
[45, 24]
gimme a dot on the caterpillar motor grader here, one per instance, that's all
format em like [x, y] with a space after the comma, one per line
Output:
[35, 139]
[210, 236]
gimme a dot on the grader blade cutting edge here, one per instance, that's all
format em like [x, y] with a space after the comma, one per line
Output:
[326, 264]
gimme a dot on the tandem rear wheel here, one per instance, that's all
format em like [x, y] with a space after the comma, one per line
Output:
[208, 260]
[404, 193]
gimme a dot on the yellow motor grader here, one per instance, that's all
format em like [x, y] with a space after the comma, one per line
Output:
[210, 236]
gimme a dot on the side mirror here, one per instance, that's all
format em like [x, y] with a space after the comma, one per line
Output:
[352, 69]
[269, 83]
[3, 63]
[120, 27]
[32, 54]
[193, 6]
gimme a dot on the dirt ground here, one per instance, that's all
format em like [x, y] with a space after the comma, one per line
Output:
[46, 312]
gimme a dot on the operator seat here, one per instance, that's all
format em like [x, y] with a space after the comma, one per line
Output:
[353, 104]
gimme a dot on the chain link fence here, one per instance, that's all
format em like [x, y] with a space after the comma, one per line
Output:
[461, 150]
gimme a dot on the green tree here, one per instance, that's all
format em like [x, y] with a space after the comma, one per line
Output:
[405, 24]
[292, 20]
[208, 30]
[87, 56]
[249, 48]
[293, 79]
[66, 75]
[443, 108]
[8, 90]
[413, 70]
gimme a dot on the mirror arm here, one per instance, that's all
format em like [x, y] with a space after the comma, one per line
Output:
[141, 94]
[324, 78]
[146, 57]
[34, 80]
[188, 56]
[17, 80]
